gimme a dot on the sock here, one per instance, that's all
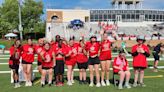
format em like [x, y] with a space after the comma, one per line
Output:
[43, 82]
[120, 84]
[49, 82]
[127, 83]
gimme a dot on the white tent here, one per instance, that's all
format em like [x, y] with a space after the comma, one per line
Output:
[10, 35]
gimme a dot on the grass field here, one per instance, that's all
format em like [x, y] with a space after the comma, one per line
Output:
[154, 82]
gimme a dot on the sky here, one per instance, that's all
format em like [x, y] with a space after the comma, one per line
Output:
[92, 4]
[96, 4]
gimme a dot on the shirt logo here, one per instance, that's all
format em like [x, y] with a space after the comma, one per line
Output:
[48, 58]
[30, 50]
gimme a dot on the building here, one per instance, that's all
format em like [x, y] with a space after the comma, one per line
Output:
[125, 13]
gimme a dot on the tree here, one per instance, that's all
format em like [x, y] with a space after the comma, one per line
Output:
[8, 16]
[32, 11]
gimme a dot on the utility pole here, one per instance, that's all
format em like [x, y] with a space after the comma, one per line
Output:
[20, 21]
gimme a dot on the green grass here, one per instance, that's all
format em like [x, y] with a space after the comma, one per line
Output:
[153, 84]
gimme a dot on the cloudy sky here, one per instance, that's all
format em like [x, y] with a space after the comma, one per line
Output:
[92, 4]
[96, 4]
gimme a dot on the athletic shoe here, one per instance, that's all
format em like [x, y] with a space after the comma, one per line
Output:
[91, 84]
[49, 85]
[103, 83]
[85, 82]
[127, 86]
[142, 85]
[26, 84]
[30, 83]
[135, 85]
[107, 82]
[61, 83]
[42, 85]
[120, 87]
[18, 85]
[80, 82]
[98, 85]
[72, 81]
[15, 85]
[69, 83]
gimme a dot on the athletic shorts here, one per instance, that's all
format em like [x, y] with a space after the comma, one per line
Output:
[14, 67]
[93, 61]
[46, 68]
[25, 62]
[59, 68]
[139, 68]
[39, 63]
[82, 65]
[156, 56]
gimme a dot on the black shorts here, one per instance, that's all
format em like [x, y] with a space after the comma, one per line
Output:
[25, 62]
[59, 68]
[139, 68]
[14, 67]
[46, 68]
[93, 61]
[39, 63]
[156, 56]
[82, 65]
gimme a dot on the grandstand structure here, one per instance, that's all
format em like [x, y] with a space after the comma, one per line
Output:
[128, 15]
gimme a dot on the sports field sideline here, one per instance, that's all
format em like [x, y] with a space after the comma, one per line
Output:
[154, 81]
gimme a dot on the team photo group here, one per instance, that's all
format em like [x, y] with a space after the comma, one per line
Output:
[53, 57]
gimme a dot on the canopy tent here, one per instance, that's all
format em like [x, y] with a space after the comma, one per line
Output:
[10, 35]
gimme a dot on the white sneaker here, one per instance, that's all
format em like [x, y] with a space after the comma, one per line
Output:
[15, 85]
[103, 83]
[107, 82]
[72, 81]
[18, 85]
[98, 85]
[26, 84]
[91, 84]
[127, 86]
[120, 87]
[30, 83]
[135, 85]
[69, 83]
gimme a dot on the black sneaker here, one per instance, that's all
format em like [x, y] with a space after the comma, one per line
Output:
[49, 85]
[85, 82]
[42, 85]
[80, 82]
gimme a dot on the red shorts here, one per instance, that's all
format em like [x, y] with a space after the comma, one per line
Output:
[106, 55]
[71, 61]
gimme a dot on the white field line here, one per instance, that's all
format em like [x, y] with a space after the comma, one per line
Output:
[131, 68]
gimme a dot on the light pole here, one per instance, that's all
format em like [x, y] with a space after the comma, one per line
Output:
[20, 21]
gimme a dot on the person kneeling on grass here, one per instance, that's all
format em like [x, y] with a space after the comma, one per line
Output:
[15, 52]
[48, 57]
[120, 66]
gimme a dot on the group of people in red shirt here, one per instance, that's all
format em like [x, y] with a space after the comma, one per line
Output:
[54, 55]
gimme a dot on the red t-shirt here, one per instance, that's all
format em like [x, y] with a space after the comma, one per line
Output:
[15, 54]
[60, 53]
[48, 62]
[120, 63]
[71, 60]
[81, 57]
[140, 59]
[28, 53]
[105, 46]
[38, 50]
[93, 48]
